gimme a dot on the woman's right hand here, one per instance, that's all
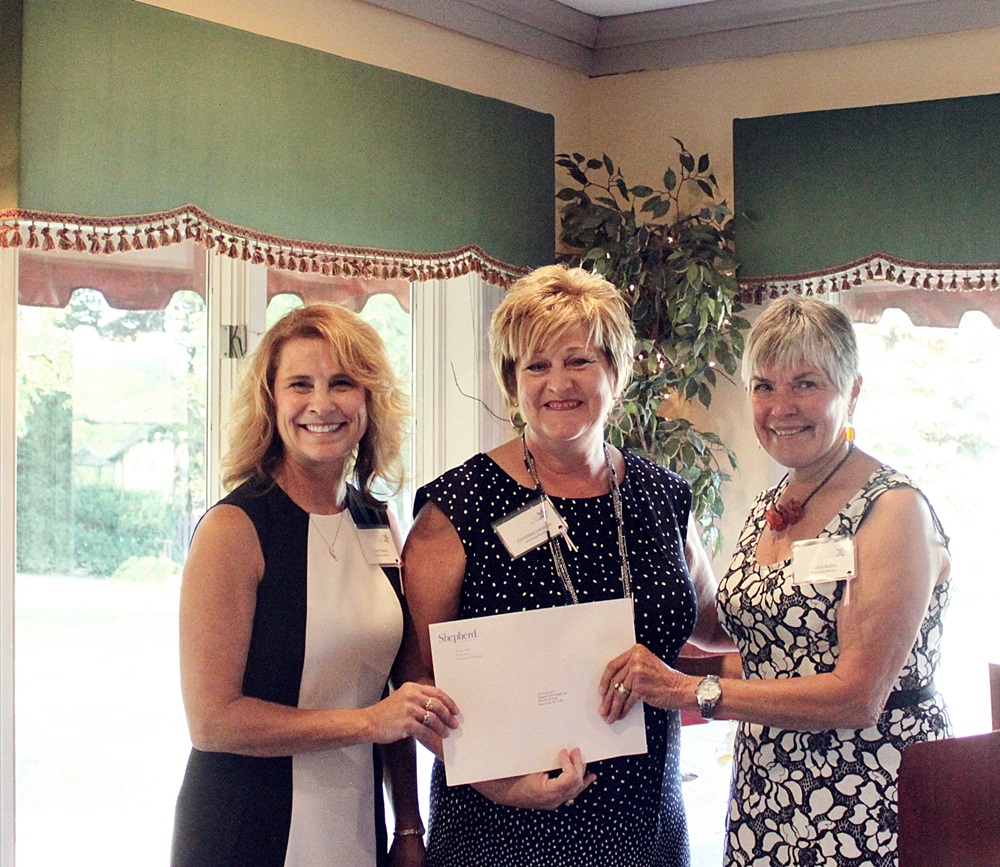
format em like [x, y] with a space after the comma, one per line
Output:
[541, 791]
[414, 710]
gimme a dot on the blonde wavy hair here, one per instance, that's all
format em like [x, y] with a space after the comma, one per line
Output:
[255, 447]
[546, 304]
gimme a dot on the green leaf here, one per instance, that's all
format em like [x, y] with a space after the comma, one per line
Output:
[669, 180]
[640, 191]
[702, 164]
[687, 161]
[705, 187]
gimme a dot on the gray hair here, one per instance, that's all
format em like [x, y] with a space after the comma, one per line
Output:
[795, 329]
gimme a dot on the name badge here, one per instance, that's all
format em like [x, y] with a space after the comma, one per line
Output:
[379, 547]
[530, 526]
[817, 560]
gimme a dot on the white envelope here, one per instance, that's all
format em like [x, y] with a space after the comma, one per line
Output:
[526, 685]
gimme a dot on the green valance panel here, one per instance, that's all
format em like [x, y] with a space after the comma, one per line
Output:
[916, 181]
[131, 109]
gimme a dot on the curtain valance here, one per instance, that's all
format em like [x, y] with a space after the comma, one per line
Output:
[930, 294]
[312, 271]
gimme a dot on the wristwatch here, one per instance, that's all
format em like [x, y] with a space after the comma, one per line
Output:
[708, 693]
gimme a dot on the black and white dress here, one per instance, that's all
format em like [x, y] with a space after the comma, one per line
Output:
[819, 798]
[325, 635]
[633, 815]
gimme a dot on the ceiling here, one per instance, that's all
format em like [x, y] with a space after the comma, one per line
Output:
[605, 37]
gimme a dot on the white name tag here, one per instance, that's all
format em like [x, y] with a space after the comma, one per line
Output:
[379, 546]
[530, 526]
[817, 560]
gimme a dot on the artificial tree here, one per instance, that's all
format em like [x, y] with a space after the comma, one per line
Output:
[670, 253]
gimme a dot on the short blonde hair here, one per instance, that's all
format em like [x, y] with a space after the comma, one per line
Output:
[549, 302]
[794, 329]
[255, 448]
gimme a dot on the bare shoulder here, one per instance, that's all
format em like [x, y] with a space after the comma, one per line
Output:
[431, 527]
[225, 543]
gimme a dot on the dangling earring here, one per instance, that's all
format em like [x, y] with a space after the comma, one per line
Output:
[849, 431]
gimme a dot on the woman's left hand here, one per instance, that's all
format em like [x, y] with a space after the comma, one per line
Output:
[639, 675]
[407, 851]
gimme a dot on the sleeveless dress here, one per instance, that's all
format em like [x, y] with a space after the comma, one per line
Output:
[634, 813]
[325, 634]
[819, 798]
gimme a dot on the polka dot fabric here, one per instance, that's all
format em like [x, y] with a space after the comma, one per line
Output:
[633, 814]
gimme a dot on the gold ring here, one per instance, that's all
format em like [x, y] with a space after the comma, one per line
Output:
[428, 704]
[622, 689]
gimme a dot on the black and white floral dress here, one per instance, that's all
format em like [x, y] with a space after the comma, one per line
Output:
[818, 798]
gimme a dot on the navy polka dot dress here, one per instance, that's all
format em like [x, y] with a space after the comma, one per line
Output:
[634, 813]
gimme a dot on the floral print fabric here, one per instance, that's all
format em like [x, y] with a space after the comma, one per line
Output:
[817, 798]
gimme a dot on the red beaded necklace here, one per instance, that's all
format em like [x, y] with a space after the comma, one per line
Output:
[781, 515]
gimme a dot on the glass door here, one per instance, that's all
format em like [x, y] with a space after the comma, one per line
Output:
[110, 467]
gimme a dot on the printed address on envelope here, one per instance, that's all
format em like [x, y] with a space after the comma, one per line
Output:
[526, 684]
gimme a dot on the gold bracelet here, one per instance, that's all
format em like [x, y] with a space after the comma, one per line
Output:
[409, 832]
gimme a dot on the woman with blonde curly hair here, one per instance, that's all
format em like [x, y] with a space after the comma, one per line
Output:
[292, 618]
[562, 346]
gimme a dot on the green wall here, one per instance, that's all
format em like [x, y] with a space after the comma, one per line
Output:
[129, 109]
[10, 99]
[917, 180]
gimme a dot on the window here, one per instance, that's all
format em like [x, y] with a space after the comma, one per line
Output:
[116, 401]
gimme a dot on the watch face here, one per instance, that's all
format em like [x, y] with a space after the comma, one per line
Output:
[708, 691]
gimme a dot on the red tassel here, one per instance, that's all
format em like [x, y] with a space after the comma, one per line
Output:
[164, 236]
[123, 244]
[314, 264]
[33, 242]
[208, 240]
[325, 268]
[303, 265]
[281, 260]
[189, 233]
[151, 243]
[223, 246]
[271, 261]
[175, 234]
[234, 249]
[109, 247]
[258, 256]
[95, 243]
[16, 239]
[137, 240]
[78, 242]
[48, 243]
[245, 251]
[4, 244]
[982, 281]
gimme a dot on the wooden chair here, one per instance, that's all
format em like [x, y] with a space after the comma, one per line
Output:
[949, 802]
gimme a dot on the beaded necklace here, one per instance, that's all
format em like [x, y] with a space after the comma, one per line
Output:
[616, 502]
[781, 515]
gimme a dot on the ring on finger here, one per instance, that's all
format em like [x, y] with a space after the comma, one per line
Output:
[428, 703]
[622, 690]
[427, 718]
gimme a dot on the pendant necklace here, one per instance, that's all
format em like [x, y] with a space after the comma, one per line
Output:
[556, 551]
[782, 515]
[330, 546]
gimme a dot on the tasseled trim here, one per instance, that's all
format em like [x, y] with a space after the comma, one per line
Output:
[879, 268]
[108, 236]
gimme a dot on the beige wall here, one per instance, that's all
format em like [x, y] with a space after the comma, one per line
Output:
[632, 117]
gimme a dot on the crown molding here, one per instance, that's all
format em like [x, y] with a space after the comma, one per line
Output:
[691, 35]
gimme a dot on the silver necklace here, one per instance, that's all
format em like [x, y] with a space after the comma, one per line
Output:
[556, 551]
[329, 545]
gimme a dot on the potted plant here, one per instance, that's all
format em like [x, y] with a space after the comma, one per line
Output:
[670, 253]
